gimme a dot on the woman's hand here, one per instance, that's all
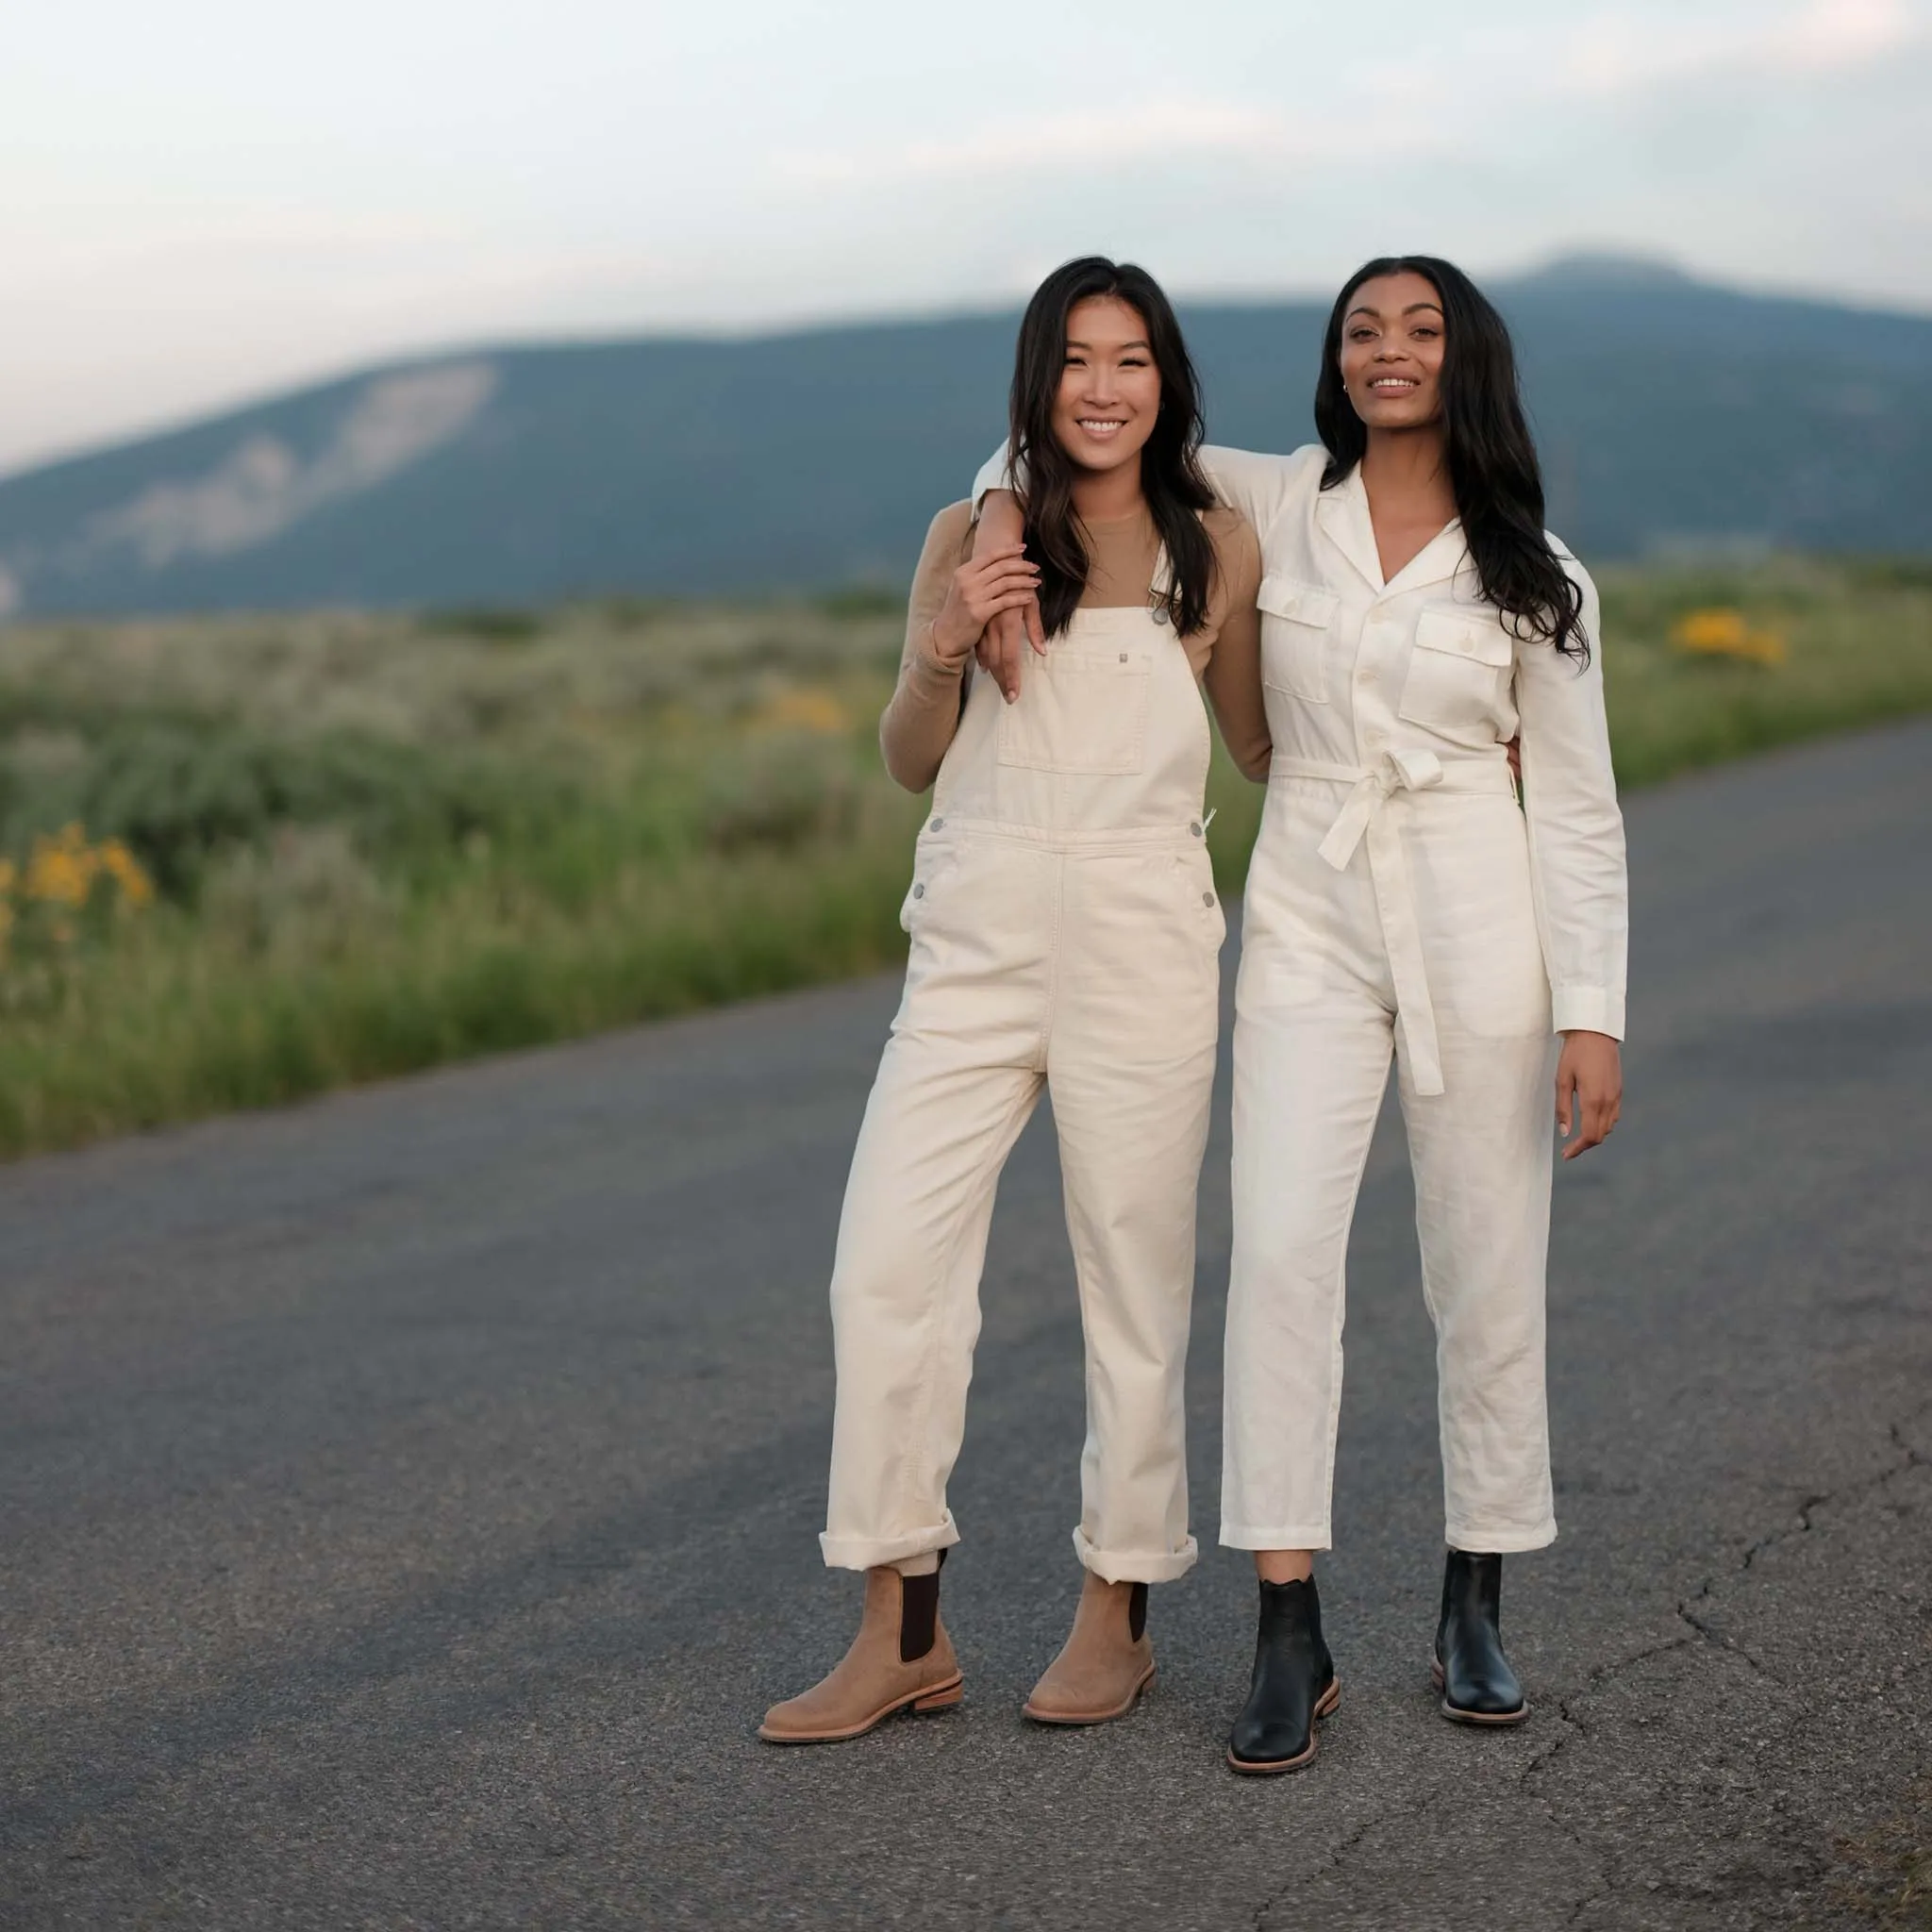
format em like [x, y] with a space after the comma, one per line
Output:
[1003, 647]
[1590, 1071]
[998, 580]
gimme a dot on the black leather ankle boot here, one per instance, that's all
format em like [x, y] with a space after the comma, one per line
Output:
[1293, 1683]
[1478, 1685]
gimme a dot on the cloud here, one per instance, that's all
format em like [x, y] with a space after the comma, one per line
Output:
[1390, 110]
[1844, 33]
[1616, 53]
[1087, 142]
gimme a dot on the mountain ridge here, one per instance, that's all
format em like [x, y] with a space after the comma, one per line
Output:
[1672, 412]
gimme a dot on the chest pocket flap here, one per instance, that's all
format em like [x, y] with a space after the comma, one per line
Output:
[1302, 602]
[1458, 675]
[1294, 637]
[1477, 636]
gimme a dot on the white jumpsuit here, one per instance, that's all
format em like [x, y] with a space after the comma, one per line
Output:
[1066, 934]
[1398, 899]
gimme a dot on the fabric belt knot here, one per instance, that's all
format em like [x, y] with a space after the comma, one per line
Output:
[1363, 819]
[1397, 771]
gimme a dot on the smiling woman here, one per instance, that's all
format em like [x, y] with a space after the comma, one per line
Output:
[1400, 900]
[1413, 346]
[1065, 930]
[1119, 380]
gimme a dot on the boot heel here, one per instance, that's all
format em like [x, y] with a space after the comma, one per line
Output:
[942, 1700]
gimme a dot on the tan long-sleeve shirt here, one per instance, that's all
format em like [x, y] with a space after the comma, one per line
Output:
[1124, 554]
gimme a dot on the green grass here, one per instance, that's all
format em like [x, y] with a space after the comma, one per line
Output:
[382, 843]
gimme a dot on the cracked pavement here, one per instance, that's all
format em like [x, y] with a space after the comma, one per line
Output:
[409, 1499]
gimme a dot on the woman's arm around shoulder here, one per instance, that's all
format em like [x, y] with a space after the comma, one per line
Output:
[1256, 486]
[1261, 486]
[1233, 676]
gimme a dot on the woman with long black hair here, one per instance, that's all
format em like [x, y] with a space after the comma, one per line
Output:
[1065, 934]
[1416, 617]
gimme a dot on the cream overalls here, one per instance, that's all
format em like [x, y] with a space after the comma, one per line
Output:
[1065, 934]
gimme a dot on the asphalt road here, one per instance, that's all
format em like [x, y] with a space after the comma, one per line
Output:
[408, 1500]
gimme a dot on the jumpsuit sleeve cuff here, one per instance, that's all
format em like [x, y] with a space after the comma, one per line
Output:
[1588, 1010]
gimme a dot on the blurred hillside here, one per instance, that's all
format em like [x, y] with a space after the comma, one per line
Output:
[1674, 415]
[243, 857]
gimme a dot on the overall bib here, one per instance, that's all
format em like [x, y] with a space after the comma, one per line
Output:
[1066, 934]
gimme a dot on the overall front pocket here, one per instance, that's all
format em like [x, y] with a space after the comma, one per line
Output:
[1294, 637]
[1082, 712]
[1459, 673]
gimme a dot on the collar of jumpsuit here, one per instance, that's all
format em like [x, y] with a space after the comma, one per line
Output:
[1343, 515]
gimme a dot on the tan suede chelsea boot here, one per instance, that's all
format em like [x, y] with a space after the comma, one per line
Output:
[901, 1660]
[1105, 1664]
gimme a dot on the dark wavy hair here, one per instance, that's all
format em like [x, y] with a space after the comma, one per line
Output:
[1171, 474]
[1492, 462]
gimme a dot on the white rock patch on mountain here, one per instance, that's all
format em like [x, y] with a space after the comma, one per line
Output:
[263, 486]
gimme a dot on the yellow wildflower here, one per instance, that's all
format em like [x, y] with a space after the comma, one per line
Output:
[804, 708]
[1724, 633]
[63, 870]
[125, 870]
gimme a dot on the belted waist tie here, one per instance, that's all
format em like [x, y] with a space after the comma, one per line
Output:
[1363, 815]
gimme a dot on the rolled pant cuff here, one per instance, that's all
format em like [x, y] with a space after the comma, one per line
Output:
[1136, 1566]
[874, 1553]
[1478, 1541]
[1240, 1536]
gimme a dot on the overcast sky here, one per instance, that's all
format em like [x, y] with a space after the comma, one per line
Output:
[209, 199]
